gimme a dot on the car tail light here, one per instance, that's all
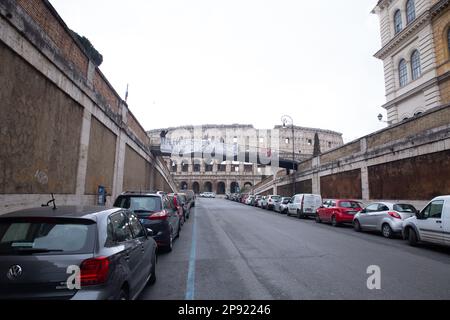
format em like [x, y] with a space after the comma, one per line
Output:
[394, 215]
[94, 271]
[163, 215]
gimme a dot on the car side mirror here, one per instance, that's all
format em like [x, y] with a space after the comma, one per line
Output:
[150, 232]
[363, 211]
[419, 215]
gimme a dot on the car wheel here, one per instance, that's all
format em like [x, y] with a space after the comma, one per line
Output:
[169, 247]
[318, 219]
[357, 226]
[152, 279]
[334, 222]
[412, 238]
[386, 230]
[179, 231]
[123, 295]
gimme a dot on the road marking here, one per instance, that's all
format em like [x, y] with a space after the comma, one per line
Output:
[190, 285]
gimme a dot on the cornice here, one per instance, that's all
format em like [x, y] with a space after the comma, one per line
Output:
[439, 7]
[405, 35]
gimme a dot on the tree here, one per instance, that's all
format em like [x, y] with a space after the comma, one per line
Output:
[317, 151]
[93, 54]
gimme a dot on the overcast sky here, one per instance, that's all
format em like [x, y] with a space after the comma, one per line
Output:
[192, 62]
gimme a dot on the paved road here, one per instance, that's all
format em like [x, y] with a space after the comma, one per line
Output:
[242, 252]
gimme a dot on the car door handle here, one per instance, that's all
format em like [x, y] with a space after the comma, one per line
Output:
[439, 221]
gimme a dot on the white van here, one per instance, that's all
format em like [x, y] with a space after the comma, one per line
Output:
[304, 205]
[431, 225]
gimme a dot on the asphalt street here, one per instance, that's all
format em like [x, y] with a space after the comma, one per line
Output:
[231, 251]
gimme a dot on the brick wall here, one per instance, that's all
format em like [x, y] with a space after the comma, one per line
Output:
[346, 150]
[40, 131]
[418, 178]
[429, 121]
[345, 185]
[101, 158]
[44, 17]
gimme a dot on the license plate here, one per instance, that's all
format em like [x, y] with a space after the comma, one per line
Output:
[308, 210]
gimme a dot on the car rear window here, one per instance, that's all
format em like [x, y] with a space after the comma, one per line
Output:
[46, 236]
[350, 204]
[406, 208]
[276, 198]
[136, 203]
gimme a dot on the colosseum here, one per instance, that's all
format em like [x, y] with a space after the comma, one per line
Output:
[229, 176]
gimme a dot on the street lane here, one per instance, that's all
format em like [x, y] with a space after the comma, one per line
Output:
[248, 253]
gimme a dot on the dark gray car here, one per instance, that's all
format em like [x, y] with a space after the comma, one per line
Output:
[80, 253]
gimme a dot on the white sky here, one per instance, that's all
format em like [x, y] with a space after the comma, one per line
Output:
[193, 62]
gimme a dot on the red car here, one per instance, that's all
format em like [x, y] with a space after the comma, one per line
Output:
[338, 212]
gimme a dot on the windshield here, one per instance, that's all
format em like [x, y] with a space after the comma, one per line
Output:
[150, 204]
[405, 208]
[350, 204]
[46, 237]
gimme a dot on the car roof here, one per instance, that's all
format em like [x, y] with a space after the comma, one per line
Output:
[79, 212]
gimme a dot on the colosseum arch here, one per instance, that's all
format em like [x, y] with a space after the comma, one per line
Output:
[183, 185]
[221, 187]
[196, 187]
[234, 187]
[208, 187]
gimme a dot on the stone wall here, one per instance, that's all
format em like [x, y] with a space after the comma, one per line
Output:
[65, 130]
[101, 158]
[40, 130]
[405, 162]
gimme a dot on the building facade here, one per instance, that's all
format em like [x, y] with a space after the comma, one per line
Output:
[414, 37]
[201, 175]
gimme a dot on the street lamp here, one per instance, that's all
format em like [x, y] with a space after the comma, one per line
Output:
[380, 118]
[287, 120]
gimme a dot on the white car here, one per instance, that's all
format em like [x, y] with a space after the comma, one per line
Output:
[304, 205]
[208, 195]
[431, 225]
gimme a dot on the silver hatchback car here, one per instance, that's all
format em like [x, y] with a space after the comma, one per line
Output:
[78, 253]
[384, 217]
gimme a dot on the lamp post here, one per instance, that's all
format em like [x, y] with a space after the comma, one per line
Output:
[286, 120]
[380, 117]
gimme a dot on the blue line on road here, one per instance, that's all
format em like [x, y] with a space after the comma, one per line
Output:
[190, 285]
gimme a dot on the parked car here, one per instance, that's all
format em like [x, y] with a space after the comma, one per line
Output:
[186, 204]
[261, 201]
[190, 195]
[257, 200]
[178, 202]
[270, 201]
[431, 225]
[155, 212]
[39, 248]
[385, 217]
[338, 212]
[208, 195]
[250, 200]
[304, 205]
[281, 206]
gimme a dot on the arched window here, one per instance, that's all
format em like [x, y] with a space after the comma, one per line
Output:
[403, 73]
[410, 11]
[398, 21]
[415, 65]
